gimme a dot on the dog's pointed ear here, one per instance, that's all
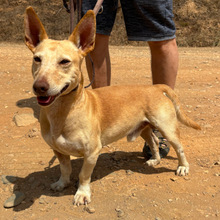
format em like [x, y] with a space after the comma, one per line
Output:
[34, 29]
[83, 35]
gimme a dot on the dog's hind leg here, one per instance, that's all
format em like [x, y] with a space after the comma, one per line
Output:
[148, 135]
[172, 134]
[66, 169]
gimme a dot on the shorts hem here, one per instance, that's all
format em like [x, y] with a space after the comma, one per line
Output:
[107, 33]
[135, 38]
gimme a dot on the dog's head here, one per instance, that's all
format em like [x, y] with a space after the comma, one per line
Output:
[56, 64]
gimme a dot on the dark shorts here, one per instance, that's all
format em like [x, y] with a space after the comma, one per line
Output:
[145, 20]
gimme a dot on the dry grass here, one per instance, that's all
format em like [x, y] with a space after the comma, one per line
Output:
[197, 21]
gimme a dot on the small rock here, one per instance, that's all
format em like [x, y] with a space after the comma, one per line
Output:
[42, 200]
[34, 132]
[89, 209]
[208, 126]
[120, 212]
[170, 200]
[157, 218]
[217, 163]
[199, 106]
[174, 179]
[34, 129]
[129, 172]
[22, 120]
[186, 178]
[8, 179]
[14, 200]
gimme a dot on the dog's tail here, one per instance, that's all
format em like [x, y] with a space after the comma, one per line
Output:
[182, 117]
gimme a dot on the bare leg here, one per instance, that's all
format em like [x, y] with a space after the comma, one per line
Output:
[101, 59]
[66, 169]
[164, 62]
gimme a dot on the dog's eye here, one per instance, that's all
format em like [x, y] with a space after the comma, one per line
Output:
[64, 61]
[37, 59]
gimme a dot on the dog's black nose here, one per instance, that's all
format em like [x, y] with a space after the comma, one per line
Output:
[40, 87]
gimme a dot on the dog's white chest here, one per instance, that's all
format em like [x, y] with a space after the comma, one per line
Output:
[65, 146]
[61, 141]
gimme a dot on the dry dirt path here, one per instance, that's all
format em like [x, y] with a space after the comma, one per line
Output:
[122, 186]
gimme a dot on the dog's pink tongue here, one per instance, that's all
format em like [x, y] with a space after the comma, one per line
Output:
[45, 100]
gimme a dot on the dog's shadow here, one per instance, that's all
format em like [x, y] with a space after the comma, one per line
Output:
[38, 183]
[30, 103]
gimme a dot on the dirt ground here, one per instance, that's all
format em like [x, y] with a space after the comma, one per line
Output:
[123, 187]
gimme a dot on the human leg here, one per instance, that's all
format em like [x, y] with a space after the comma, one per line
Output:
[152, 21]
[101, 60]
[164, 62]
[100, 55]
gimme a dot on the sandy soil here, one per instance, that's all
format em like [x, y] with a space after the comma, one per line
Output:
[122, 186]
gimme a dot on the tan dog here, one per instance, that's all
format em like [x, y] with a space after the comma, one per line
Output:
[79, 122]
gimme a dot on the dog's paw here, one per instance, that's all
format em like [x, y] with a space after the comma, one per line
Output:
[83, 196]
[152, 162]
[182, 171]
[59, 185]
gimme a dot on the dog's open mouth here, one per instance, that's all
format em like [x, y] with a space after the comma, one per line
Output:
[47, 100]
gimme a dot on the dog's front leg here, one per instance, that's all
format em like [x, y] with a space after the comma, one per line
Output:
[66, 169]
[83, 194]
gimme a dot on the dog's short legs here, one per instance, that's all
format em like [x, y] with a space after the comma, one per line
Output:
[174, 138]
[148, 135]
[83, 194]
[66, 169]
[183, 167]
